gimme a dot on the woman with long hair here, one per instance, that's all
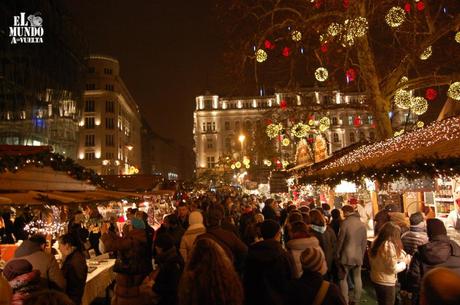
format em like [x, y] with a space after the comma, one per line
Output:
[387, 259]
[74, 266]
[209, 277]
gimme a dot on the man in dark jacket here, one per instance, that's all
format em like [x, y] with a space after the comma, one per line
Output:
[416, 236]
[304, 290]
[233, 246]
[269, 210]
[269, 268]
[440, 251]
[170, 269]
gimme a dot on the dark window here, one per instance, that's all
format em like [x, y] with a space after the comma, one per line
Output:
[208, 126]
[211, 162]
[89, 140]
[109, 140]
[109, 87]
[335, 121]
[204, 126]
[90, 156]
[108, 71]
[109, 124]
[335, 137]
[90, 86]
[89, 106]
[352, 137]
[209, 143]
[227, 125]
[213, 126]
[89, 122]
[109, 107]
[91, 70]
[237, 125]
[109, 155]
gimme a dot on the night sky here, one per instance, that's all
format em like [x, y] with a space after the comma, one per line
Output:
[169, 52]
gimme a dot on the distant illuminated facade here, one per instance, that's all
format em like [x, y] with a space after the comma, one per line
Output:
[219, 121]
[110, 128]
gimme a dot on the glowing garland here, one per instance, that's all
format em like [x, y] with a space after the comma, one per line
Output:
[325, 121]
[457, 37]
[321, 74]
[40, 227]
[454, 91]
[273, 130]
[395, 17]
[334, 29]
[300, 130]
[261, 55]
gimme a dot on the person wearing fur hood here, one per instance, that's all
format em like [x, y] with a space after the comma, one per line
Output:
[196, 227]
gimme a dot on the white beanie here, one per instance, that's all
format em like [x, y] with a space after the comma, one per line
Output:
[195, 218]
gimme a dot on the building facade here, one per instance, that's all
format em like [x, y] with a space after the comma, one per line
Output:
[41, 85]
[222, 125]
[110, 128]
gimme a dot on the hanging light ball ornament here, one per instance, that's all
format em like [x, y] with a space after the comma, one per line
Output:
[426, 54]
[357, 27]
[268, 162]
[457, 37]
[238, 164]
[323, 127]
[420, 124]
[296, 36]
[395, 16]
[273, 130]
[403, 99]
[300, 130]
[286, 142]
[233, 166]
[334, 29]
[321, 74]
[419, 105]
[325, 121]
[454, 91]
[261, 55]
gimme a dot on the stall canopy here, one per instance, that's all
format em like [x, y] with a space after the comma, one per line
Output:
[428, 151]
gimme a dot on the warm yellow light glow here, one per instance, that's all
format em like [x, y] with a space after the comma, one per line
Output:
[129, 147]
[395, 17]
[454, 91]
[241, 138]
[261, 55]
[296, 36]
[321, 74]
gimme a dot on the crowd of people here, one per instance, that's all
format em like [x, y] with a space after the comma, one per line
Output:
[233, 250]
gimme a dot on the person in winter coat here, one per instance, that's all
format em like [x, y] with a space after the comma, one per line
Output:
[233, 246]
[269, 210]
[326, 237]
[196, 227]
[416, 236]
[440, 251]
[387, 259]
[170, 265]
[300, 240]
[209, 277]
[311, 286]
[251, 233]
[131, 264]
[351, 246]
[22, 279]
[336, 221]
[269, 268]
[383, 216]
[6, 234]
[74, 266]
[33, 250]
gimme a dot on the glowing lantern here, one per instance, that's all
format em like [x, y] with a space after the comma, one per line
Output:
[286, 52]
[261, 55]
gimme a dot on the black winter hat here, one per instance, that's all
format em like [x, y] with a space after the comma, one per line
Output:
[435, 227]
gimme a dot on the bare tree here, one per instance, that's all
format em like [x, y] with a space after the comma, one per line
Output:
[366, 45]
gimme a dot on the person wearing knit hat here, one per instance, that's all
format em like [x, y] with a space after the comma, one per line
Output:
[195, 228]
[440, 251]
[310, 286]
[22, 279]
[312, 260]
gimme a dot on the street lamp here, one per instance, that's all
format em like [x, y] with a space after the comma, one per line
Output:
[241, 138]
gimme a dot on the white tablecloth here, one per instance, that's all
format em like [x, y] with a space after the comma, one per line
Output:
[98, 280]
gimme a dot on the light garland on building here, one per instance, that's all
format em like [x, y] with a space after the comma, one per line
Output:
[454, 91]
[261, 55]
[40, 227]
[352, 166]
[321, 74]
[395, 17]
[426, 54]
[273, 130]
[296, 36]
[300, 130]
[419, 105]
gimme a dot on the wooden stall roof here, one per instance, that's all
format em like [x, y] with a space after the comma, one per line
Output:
[439, 140]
